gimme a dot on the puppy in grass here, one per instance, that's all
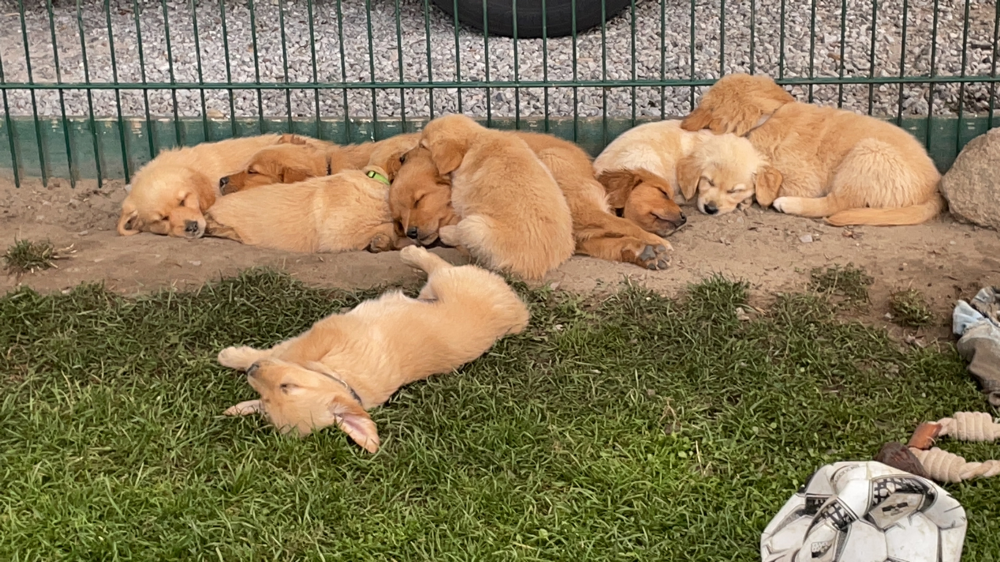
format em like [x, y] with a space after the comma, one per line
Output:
[349, 363]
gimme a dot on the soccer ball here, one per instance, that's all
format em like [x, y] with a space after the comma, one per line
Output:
[866, 512]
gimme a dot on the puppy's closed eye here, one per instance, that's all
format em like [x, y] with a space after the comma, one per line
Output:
[709, 180]
[287, 387]
[416, 202]
[402, 158]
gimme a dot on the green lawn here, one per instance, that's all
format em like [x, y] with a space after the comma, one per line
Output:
[636, 428]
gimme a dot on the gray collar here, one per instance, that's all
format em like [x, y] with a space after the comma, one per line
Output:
[347, 386]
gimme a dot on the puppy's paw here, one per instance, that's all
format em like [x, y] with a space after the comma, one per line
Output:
[781, 204]
[654, 257]
[380, 243]
[239, 358]
[412, 255]
[449, 235]
[244, 408]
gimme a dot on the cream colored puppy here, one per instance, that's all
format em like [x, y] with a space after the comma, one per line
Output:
[650, 166]
[513, 215]
[349, 363]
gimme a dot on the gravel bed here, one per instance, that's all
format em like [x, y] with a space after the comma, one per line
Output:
[407, 57]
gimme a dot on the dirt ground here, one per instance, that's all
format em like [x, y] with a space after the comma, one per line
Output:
[773, 252]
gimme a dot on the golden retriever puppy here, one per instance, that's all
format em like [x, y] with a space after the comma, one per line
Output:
[846, 167]
[296, 158]
[420, 202]
[335, 372]
[170, 194]
[343, 212]
[513, 215]
[649, 167]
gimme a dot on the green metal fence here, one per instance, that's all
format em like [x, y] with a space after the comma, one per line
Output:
[92, 89]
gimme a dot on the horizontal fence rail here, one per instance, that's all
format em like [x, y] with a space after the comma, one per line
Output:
[93, 89]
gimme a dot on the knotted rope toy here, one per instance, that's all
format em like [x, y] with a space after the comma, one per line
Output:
[940, 465]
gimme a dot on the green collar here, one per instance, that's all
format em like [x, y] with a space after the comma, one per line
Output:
[377, 177]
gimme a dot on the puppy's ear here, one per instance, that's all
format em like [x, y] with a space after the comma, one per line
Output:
[128, 222]
[203, 192]
[767, 183]
[688, 176]
[618, 184]
[355, 422]
[447, 155]
[697, 120]
[292, 175]
[288, 138]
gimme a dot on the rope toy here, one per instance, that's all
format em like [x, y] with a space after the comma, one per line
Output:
[943, 466]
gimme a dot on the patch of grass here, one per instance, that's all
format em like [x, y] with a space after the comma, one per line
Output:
[636, 428]
[847, 282]
[909, 308]
[25, 256]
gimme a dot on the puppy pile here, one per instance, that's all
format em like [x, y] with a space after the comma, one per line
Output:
[518, 203]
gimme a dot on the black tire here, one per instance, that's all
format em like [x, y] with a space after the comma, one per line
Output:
[559, 15]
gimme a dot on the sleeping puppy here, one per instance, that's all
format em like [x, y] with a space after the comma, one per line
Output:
[420, 203]
[332, 374]
[649, 167]
[513, 216]
[343, 212]
[849, 168]
[170, 194]
[296, 158]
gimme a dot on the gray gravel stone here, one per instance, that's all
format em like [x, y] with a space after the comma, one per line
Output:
[406, 56]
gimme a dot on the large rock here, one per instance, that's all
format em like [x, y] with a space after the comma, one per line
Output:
[972, 185]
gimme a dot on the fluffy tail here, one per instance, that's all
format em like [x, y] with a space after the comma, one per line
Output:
[914, 214]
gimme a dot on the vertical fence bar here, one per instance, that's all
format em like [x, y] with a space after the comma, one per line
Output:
[545, 62]
[781, 42]
[902, 64]
[843, 41]
[722, 38]
[691, 46]
[343, 70]
[399, 56]
[118, 94]
[812, 47]
[604, 74]
[871, 59]
[663, 58]
[170, 69]
[15, 166]
[993, 66]
[634, 74]
[73, 172]
[229, 68]
[315, 71]
[753, 34]
[284, 66]
[206, 130]
[576, 89]
[961, 86]
[430, 65]
[142, 73]
[486, 60]
[371, 68]
[458, 56]
[933, 72]
[517, 74]
[34, 101]
[90, 95]
[256, 64]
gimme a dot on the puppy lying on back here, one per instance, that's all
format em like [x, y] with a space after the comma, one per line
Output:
[512, 214]
[846, 167]
[170, 194]
[296, 158]
[648, 167]
[343, 212]
[334, 373]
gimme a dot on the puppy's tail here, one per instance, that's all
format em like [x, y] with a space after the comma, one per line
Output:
[914, 214]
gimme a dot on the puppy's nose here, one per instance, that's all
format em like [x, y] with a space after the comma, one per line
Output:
[224, 182]
[191, 227]
[711, 209]
[683, 220]
[252, 369]
[411, 232]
